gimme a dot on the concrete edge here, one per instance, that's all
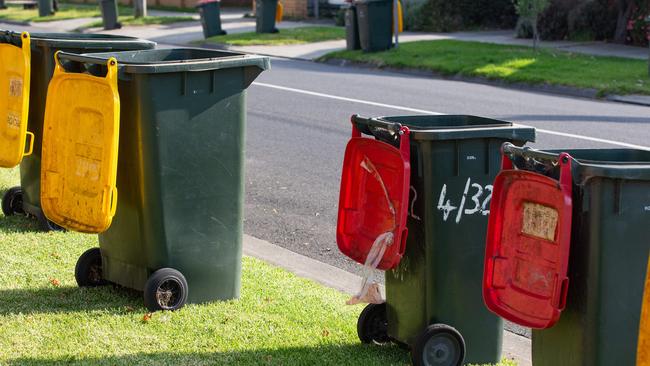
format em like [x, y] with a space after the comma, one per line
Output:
[515, 347]
[15, 22]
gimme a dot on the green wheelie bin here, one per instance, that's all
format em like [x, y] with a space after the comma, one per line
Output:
[43, 48]
[375, 19]
[608, 256]
[265, 12]
[177, 231]
[434, 300]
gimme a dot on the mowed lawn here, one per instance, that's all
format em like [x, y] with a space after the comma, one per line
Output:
[45, 319]
[513, 64]
[300, 35]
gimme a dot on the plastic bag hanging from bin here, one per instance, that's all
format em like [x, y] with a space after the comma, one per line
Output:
[363, 213]
[15, 74]
[80, 146]
[528, 239]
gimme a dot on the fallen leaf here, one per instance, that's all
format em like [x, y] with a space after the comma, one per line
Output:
[326, 333]
[55, 282]
[147, 317]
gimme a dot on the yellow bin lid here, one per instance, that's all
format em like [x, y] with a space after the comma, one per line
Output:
[14, 101]
[80, 147]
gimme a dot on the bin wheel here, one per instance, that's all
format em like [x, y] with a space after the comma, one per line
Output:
[166, 289]
[372, 326]
[47, 225]
[12, 202]
[88, 271]
[439, 344]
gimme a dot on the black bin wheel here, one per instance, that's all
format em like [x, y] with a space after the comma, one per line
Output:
[47, 225]
[12, 202]
[372, 326]
[166, 289]
[88, 271]
[438, 345]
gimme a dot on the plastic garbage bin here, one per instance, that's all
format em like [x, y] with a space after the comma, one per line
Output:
[375, 19]
[265, 16]
[26, 198]
[210, 12]
[352, 28]
[433, 297]
[177, 232]
[2, 5]
[608, 256]
[45, 8]
[109, 14]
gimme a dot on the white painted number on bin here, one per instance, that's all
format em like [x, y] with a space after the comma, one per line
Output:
[475, 200]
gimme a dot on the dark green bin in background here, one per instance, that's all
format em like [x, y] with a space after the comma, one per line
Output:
[43, 47]
[375, 19]
[454, 160]
[610, 245]
[265, 16]
[180, 175]
[210, 12]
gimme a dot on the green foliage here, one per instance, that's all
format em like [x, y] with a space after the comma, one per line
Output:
[515, 64]
[529, 12]
[447, 16]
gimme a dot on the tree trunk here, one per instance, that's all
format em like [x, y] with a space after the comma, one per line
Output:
[625, 8]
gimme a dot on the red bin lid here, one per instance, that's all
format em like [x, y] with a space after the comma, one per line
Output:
[527, 250]
[374, 197]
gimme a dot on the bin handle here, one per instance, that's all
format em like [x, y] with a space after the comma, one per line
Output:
[509, 149]
[113, 201]
[376, 122]
[398, 128]
[111, 65]
[30, 148]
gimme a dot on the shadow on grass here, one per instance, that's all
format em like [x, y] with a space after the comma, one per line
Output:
[327, 354]
[18, 224]
[111, 298]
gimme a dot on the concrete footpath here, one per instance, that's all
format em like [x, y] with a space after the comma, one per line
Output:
[515, 347]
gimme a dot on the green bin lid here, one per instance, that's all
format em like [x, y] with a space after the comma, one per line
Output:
[172, 60]
[79, 41]
[453, 127]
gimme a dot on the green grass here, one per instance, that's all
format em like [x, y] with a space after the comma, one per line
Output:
[74, 11]
[607, 75]
[66, 11]
[281, 319]
[284, 37]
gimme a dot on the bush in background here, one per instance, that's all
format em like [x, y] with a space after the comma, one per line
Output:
[454, 15]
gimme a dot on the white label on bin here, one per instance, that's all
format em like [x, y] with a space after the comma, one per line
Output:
[646, 208]
[475, 200]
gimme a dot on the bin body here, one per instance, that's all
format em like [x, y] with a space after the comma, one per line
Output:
[352, 29]
[265, 16]
[180, 169]
[607, 262]
[439, 278]
[647, 22]
[109, 14]
[45, 8]
[210, 18]
[375, 18]
[43, 48]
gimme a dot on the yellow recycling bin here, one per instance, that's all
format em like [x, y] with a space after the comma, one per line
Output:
[14, 102]
[80, 143]
[643, 352]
